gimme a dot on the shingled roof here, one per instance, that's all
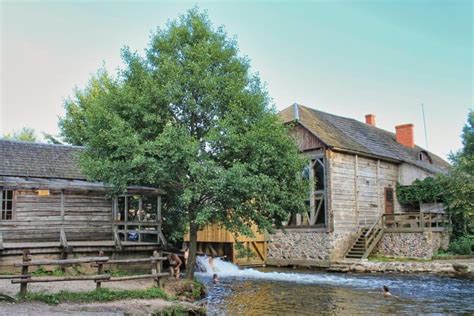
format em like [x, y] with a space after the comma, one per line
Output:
[23, 159]
[346, 134]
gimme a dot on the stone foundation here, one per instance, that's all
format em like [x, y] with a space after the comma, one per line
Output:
[298, 244]
[412, 245]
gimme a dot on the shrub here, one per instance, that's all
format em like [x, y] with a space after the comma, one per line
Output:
[462, 246]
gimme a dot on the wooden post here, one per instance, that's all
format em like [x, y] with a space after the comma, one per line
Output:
[24, 271]
[156, 268]
[100, 269]
[1, 240]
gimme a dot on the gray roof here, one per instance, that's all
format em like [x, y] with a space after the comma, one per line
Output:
[24, 159]
[351, 135]
[36, 165]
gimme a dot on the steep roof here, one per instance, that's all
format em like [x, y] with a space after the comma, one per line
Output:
[23, 159]
[351, 135]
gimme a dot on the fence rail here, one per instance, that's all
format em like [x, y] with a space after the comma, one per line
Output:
[415, 222]
[156, 262]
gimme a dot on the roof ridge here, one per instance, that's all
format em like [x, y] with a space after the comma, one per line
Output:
[40, 144]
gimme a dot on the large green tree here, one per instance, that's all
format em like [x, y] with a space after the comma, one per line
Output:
[191, 118]
[459, 184]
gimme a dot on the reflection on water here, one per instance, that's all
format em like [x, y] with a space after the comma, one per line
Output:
[279, 291]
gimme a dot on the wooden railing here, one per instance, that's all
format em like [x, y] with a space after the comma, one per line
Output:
[26, 277]
[415, 222]
[369, 236]
[124, 228]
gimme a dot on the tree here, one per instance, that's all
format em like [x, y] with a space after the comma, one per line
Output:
[189, 117]
[459, 184]
[25, 134]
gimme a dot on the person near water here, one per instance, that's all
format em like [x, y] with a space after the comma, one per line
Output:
[215, 278]
[386, 292]
[175, 264]
[186, 256]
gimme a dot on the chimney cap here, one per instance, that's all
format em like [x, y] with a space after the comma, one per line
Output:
[404, 125]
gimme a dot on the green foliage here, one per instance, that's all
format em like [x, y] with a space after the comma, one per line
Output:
[242, 251]
[428, 190]
[462, 246]
[189, 117]
[25, 134]
[40, 271]
[98, 295]
[455, 189]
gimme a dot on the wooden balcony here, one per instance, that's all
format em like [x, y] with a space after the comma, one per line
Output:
[415, 222]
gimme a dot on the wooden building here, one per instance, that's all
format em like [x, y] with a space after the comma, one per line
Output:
[48, 206]
[354, 168]
[352, 208]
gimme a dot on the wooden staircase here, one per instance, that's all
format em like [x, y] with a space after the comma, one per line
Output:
[366, 241]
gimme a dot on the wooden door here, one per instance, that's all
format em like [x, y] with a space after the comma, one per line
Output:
[389, 206]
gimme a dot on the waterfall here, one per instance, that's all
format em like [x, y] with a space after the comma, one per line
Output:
[226, 269]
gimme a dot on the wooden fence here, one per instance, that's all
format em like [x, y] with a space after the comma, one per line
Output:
[99, 262]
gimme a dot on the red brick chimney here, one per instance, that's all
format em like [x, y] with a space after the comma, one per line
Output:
[404, 135]
[370, 119]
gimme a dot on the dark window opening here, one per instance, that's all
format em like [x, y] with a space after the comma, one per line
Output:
[6, 203]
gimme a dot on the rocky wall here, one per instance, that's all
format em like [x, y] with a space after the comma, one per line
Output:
[299, 245]
[412, 245]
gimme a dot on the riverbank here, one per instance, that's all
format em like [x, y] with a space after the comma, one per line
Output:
[451, 267]
[80, 297]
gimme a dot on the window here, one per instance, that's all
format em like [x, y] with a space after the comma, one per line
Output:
[6, 203]
[423, 156]
[315, 215]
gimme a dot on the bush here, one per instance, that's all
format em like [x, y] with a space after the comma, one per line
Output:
[462, 246]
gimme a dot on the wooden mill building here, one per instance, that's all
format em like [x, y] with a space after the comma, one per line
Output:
[49, 207]
[352, 208]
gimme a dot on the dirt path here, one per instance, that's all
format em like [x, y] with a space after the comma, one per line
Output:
[122, 307]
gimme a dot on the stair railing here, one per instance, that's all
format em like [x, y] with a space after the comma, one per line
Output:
[377, 223]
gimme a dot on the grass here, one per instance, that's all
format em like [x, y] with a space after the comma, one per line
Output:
[98, 295]
[40, 271]
[378, 258]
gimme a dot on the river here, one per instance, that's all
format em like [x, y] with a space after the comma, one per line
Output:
[284, 291]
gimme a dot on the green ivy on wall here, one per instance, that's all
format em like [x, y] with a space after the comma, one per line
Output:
[428, 190]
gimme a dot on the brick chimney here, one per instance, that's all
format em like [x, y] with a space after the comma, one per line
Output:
[370, 119]
[404, 135]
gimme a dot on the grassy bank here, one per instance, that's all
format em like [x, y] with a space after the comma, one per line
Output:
[98, 295]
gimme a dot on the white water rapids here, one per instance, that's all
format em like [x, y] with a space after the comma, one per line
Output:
[226, 269]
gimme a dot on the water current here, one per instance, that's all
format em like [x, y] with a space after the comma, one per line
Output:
[307, 292]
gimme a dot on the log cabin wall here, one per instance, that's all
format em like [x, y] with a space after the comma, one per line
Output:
[357, 193]
[38, 218]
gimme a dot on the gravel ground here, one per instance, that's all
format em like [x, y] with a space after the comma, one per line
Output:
[123, 307]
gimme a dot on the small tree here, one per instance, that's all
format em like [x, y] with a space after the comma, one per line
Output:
[190, 118]
[25, 134]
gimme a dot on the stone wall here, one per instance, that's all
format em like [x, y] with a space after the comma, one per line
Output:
[293, 245]
[412, 245]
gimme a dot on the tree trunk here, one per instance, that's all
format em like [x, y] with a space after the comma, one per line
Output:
[192, 249]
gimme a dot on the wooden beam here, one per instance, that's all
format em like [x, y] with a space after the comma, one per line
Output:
[1, 240]
[356, 188]
[103, 278]
[60, 262]
[137, 277]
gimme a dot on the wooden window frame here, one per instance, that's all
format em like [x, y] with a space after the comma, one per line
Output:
[13, 209]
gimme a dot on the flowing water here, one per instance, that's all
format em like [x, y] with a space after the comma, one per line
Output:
[284, 291]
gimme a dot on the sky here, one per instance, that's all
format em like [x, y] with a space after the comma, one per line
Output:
[349, 58]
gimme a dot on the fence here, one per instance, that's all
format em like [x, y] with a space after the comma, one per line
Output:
[25, 277]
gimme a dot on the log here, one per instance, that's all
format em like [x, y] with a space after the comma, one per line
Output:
[8, 277]
[61, 262]
[137, 277]
[151, 259]
[102, 277]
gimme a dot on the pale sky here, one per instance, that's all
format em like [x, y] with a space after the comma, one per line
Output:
[348, 58]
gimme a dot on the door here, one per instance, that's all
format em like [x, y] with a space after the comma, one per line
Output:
[388, 200]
